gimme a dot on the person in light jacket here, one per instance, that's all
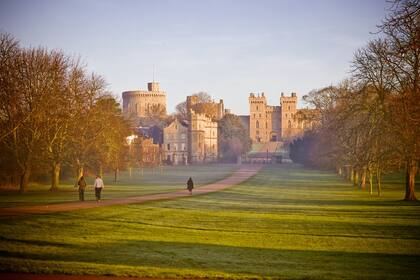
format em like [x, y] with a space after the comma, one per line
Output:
[98, 186]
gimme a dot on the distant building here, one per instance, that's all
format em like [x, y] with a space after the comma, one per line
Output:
[146, 153]
[275, 123]
[140, 103]
[154, 132]
[176, 142]
[202, 132]
[196, 139]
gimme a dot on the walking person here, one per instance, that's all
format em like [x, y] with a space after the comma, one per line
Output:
[98, 186]
[190, 185]
[82, 186]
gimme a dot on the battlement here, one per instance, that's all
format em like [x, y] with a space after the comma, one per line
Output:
[256, 98]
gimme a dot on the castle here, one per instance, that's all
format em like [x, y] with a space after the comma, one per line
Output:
[194, 140]
[140, 103]
[275, 123]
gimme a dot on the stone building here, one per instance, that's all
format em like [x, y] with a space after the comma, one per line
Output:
[175, 142]
[140, 103]
[143, 152]
[202, 132]
[196, 139]
[275, 123]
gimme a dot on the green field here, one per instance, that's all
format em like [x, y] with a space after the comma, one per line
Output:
[148, 181]
[287, 222]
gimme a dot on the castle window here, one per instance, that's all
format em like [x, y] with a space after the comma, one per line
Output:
[257, 108]
[290, 124]
[257, 125]
[183, 146]
[266, 125]
[286, 115]
[260, 115]
[289, 108]
[183, 136]
[169, 147]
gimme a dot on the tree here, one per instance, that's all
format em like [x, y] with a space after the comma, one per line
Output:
[204, 105]
[53, 114]
[391, 66]
[234, 139]
[111, 146]
[26, 86]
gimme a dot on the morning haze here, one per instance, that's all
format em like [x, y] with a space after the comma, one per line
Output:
[226, 48]
[209, 139]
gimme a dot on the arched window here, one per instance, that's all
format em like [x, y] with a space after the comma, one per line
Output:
[257, 124]
[257, 108]
[290, 124]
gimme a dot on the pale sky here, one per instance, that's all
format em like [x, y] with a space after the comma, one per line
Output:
[227, 48]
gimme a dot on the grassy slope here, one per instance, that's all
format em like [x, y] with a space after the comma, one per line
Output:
[286, 222]
[170, 178]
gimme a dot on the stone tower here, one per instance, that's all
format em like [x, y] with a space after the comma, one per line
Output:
[289, 124]
[257, 118]
[202, 134]
[137, 103]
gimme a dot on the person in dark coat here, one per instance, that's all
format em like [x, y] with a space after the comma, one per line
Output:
[190, 185]
[82, 185]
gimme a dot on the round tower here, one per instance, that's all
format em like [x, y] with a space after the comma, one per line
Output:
[137, 103]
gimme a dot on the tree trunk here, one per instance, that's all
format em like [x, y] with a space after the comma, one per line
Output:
[410, 180]
[80, 171]
[356, 179]
[363, 179]
[378, 181]
[350, 173]
[340, 171]
[129, 171]
[24, 180]
[100, 170]
[370, 182]
[115, 174]
[55, 176]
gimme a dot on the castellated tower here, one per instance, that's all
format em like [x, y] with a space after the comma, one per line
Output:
[289, 123]
[257, 117]
[202, 135]
[138, 103]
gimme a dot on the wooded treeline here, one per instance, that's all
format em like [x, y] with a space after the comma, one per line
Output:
[370, 123]
[54, 115]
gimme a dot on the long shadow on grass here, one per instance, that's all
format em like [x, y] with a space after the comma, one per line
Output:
[248, 198]
[228, 259]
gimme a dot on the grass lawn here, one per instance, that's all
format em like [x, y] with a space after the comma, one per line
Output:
[170, 178]
[287, 222]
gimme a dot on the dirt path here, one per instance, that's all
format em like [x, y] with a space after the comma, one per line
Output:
[26, 276]
[240, 175]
